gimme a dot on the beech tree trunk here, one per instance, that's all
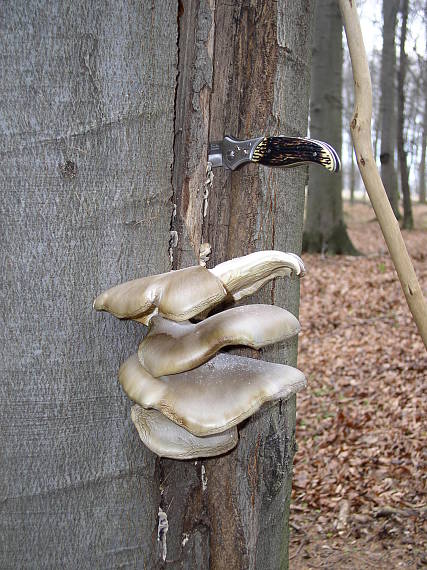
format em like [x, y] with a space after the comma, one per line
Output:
[87, 131]
[388, 104]
[408, 222]
[324, 229]
[352, 177]
[422, 170]
[348, 104]
[106, 111]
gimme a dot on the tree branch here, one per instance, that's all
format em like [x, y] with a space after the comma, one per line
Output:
[360, 127]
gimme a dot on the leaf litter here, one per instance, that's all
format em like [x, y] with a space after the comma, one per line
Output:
[360, 472]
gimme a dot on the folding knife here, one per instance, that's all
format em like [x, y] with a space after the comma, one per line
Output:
[273, 151]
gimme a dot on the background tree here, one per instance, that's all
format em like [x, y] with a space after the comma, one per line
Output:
[408, 222]
[422, 168]
[324, 226]
[348, 98]
[94, 96]
[375, 71]
[388, 104]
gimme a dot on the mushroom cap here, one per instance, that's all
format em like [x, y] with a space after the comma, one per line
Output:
[168, 439]
[183, 294]
[171, 347]
[177, 295]
[213, 397]
[242, 276]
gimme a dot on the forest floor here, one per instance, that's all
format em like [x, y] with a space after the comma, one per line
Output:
[360, 473]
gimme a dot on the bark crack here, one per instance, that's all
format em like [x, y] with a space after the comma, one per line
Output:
[173, 233]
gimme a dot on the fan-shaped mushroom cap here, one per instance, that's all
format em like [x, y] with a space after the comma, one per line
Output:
[183, 294]
[177, 295]
[175, 347]
[213, 397]
[243, 276]
[168, 439]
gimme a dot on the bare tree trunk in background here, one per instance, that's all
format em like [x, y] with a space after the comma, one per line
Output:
[106, 110]
[352, 177]
[422, 170]
[375, 69]
[388, 99]
[348, 100]
[408, 222]
[376, 138]
[324, 225]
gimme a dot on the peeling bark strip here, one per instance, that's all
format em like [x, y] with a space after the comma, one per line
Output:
[232, 511]
[195, 69]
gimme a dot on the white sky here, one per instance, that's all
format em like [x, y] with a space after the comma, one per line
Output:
[370, 14]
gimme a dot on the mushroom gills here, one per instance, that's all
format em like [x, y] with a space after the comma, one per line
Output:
[168, 439]
[171, 347]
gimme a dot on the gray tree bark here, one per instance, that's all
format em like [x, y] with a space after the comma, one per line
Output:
[352, 178]
[324, 229]
[388, 104]
[106, 110]
[408, 221]
[86, 157]
[422, 169]
[348, 99]
[374, 68]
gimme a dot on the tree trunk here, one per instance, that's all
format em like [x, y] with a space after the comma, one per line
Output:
[422, 170]
[260, 85]
[374, 68]
[408, 222]
[352, 176]
[106, 113]
[348, 99]
[325, 230]
[87, 152]
[388, 115]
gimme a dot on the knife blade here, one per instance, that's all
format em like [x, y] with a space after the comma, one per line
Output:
[232, 153]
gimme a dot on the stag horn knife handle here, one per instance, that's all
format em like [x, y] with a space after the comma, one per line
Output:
[279, 151]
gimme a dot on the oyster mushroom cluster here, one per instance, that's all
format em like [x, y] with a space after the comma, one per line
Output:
[188, 397]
